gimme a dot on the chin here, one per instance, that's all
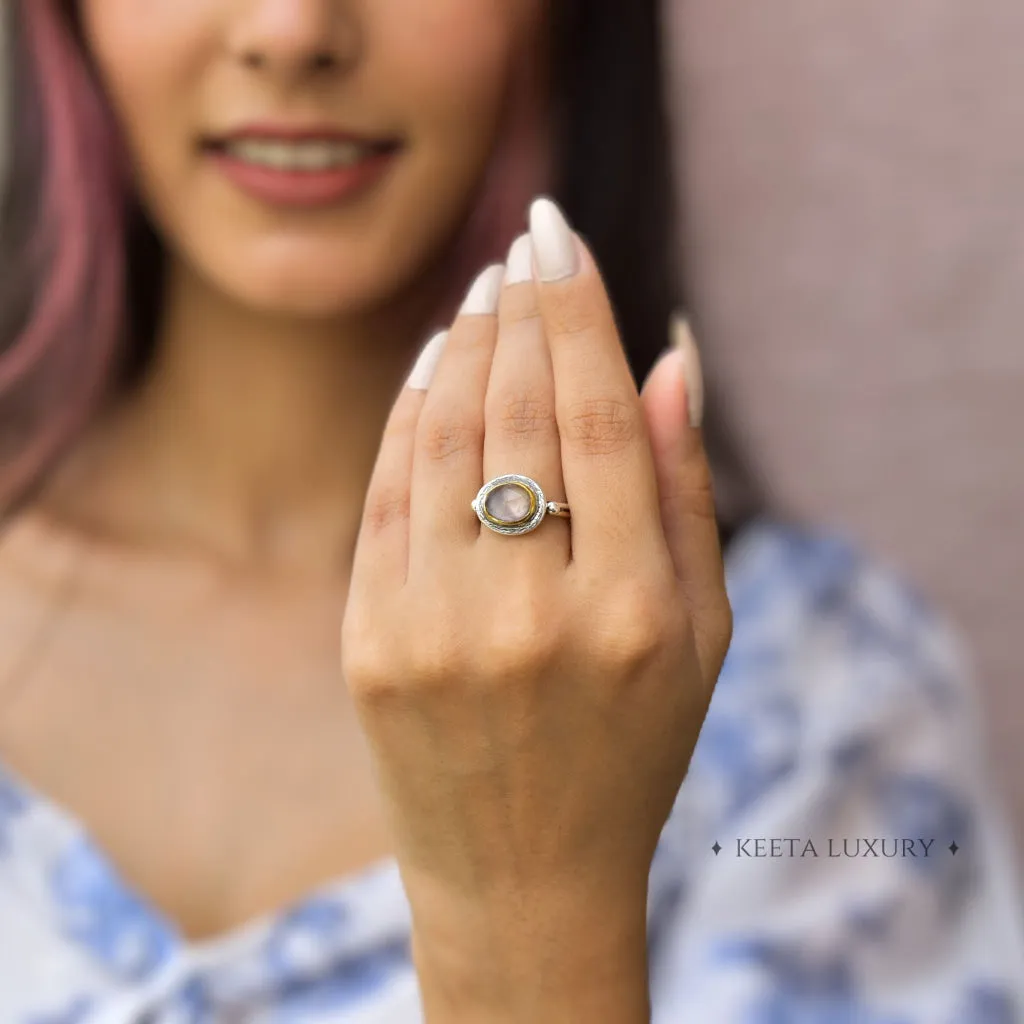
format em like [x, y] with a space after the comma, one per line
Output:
[325, 265]
[302, 294]
[319, 281]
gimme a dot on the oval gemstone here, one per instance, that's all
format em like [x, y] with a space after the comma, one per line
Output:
[509, 503]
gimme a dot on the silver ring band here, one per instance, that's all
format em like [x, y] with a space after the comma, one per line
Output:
[513, 504]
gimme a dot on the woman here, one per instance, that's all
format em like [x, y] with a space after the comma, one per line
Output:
[477, 815]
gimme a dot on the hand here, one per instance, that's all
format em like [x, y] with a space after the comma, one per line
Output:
[532, 702]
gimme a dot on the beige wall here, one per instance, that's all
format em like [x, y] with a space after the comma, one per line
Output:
[853, 181]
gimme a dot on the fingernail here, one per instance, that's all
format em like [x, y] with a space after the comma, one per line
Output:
[682, 338]
[482, 297]
[519, 265]
[423, 370]
[553, 243]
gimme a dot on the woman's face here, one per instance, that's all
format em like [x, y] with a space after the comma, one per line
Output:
[309, 156]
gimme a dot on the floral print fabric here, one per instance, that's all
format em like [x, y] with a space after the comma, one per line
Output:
[835, 854]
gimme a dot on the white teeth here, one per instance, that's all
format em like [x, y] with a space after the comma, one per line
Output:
[297, 156]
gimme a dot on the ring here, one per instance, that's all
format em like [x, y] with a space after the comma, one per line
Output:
[514, 504]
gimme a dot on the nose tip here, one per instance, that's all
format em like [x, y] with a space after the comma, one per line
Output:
[294, 37]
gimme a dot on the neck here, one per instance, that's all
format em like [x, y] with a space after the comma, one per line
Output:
[256, 436]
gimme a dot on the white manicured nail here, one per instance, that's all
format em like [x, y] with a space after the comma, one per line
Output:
[553, 242]
[483, 295]
[519, 266]
[426, 363]
[682, 338]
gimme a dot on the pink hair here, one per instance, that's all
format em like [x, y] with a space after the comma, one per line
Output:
[63, 353]
[65, 356]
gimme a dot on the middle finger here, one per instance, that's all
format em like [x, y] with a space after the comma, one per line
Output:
[521, 429]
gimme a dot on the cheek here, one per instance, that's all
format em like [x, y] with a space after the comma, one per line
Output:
[150, 54]
[453, 56]
[435, 71]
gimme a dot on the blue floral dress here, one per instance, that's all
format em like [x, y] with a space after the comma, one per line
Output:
[835, 855]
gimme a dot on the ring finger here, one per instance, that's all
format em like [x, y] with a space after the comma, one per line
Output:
[449, 437]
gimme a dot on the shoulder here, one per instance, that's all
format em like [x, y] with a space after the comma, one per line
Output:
[38, 564]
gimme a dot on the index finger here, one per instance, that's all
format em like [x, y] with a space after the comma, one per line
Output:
[607, 464]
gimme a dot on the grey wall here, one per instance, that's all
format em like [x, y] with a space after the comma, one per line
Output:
[853, 183]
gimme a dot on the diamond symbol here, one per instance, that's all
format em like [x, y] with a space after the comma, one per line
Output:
[716, 848]
[953, 848]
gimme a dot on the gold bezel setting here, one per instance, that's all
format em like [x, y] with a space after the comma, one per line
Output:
[538, 505]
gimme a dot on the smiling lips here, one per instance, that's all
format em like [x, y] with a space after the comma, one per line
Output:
[289, 167]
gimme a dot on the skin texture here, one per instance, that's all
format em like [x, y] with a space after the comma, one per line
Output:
[433, 75]
[532, 703]
[170, 607]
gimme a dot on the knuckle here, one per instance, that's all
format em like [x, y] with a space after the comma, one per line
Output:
[636, 625]
[523, 417]
[377, 692]
[436, 649]
[442, 437]
[508, 656]
[430, 665]
[425, 671]
[524, 639]
[386, 506]
[697, 490]
[520, 649]
[575, 315]
[439, 649]
[370, 672]
[601, 426]
[628, 643]
[416, 659]
[520, 315]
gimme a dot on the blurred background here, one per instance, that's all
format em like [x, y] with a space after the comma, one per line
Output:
[852, 182]
[852, 186]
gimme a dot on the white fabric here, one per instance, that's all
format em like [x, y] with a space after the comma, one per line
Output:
[843, 711]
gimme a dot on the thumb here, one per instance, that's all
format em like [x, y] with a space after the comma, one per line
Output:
[673, 400]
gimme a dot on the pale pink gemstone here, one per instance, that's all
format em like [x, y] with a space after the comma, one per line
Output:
[508, 503]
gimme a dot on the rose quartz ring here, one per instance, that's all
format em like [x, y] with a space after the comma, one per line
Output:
[514, 504]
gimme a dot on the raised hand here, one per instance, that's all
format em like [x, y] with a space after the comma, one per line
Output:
[532, 700]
